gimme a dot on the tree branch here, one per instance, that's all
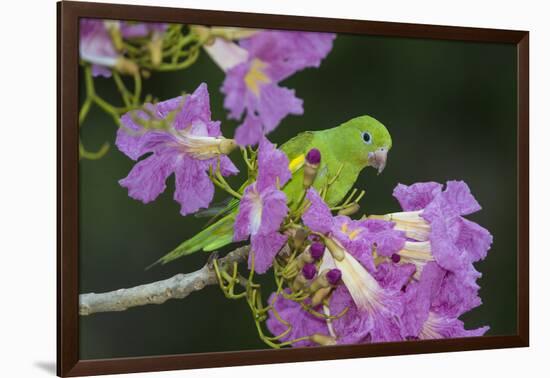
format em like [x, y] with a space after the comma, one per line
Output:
[178, 286]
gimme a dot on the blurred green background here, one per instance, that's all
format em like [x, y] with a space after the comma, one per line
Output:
[451, 110]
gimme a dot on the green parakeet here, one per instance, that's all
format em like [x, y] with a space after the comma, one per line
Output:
[348, 149]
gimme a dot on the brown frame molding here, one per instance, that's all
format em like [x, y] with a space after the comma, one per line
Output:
[68, 13]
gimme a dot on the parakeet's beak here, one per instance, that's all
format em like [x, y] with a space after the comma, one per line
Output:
[377, 159]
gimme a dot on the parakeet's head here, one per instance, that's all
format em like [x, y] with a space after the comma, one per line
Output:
[365, 141]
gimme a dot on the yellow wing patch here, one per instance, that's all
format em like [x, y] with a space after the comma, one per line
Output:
[297, 163]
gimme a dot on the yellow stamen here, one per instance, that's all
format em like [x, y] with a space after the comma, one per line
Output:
[256, 76]
[344, 228]
[352, 235]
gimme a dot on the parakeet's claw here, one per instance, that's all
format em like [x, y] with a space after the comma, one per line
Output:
[377, 159]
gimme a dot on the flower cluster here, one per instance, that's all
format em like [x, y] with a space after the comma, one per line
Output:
[101, 44]
[254, 69]
[255, 62]
[263, 208]
[404, 276]
[97, 47]
[181, 139]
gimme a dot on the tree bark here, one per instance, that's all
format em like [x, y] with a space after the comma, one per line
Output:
[176, 287]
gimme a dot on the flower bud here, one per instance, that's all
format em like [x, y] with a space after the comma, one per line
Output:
[319, 296]
[302, 259]
[126, 66]
[232, 33]
[298, 237]
[313, 159]
[204, 33]
[155, 49]
[308, 272]
[334, 276]
[113, 28]
[146, 74]
[335, 249]
[317, 250]
[349, 210]
[322, 339]
[327, 278]
[310, 255]
[299, 282]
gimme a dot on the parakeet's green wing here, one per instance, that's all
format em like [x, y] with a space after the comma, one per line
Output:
[298, 145]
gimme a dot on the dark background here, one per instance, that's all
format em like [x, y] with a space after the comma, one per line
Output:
[451, 110]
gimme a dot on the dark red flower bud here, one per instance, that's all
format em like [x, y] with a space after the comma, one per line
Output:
[317, 249]
[313, 156]
[334, 276]
[309, 271]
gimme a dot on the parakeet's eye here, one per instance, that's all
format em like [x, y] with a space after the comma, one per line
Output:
[367, 137]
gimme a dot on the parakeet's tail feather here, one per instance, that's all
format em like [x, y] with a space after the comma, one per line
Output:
[231, 207]
[211, 238]
[214, 209]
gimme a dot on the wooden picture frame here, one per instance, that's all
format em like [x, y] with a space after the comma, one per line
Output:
[69, 13]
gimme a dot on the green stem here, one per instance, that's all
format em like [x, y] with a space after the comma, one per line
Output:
[107, 108]
[177, 66]
[137, 88]
[124, 93]
[244, 152]
[89, 81]
[84, 111]
[84, 154]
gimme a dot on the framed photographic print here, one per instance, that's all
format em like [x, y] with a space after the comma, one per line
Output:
[242, 188]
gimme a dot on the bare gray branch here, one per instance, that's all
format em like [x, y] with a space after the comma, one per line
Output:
[178, 286]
